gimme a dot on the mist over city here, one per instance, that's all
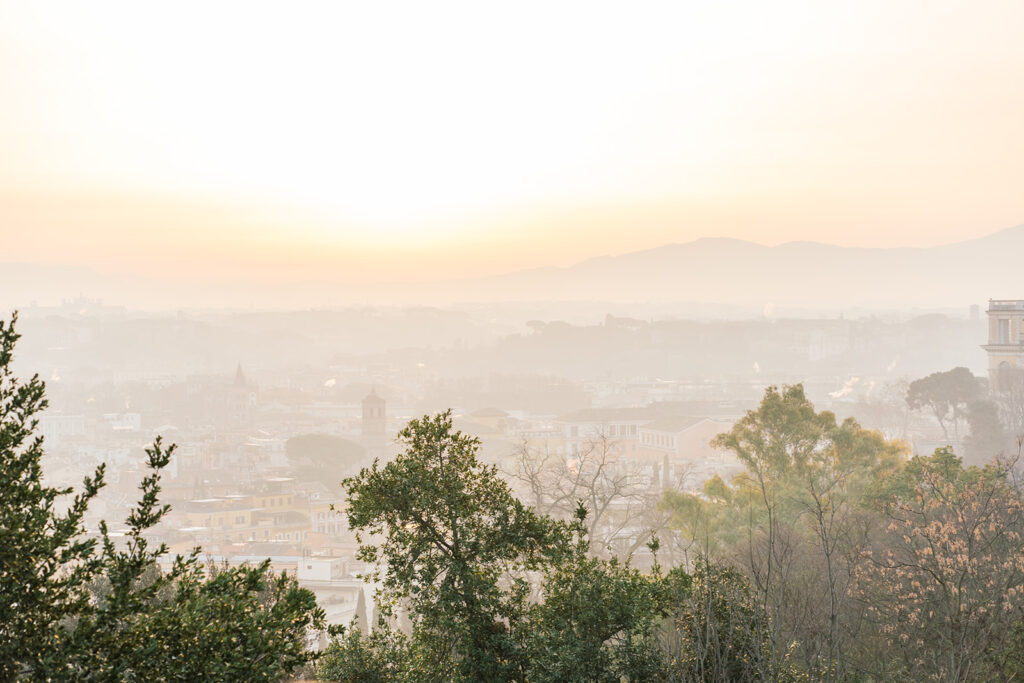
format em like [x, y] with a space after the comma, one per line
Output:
[548, 342]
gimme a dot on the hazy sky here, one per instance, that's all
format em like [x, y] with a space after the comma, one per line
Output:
[430, 139]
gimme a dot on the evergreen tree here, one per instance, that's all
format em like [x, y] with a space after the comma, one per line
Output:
[78, 608]
[453, 546]
[45, 563]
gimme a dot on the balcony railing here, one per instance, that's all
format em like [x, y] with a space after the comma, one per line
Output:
[1006, 304]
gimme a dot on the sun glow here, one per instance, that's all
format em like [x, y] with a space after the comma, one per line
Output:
[389, 117]
[381, 125]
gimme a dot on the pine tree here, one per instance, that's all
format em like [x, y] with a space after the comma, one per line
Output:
[87, 609]
[45, 564]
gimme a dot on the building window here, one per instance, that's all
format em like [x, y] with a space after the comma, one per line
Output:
[1004, 331]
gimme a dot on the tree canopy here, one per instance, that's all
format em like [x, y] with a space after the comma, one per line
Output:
[495, 591]
[453, 545]
[946, 394]
[830, 557]
[78, 606]
[944, 580]
[793, 520]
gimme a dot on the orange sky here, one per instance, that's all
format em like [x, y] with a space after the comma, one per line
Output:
[430, 140]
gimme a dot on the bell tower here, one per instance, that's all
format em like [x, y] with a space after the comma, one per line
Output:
[374, 424]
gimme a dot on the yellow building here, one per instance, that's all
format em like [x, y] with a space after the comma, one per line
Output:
[241, 518]
[328, 521]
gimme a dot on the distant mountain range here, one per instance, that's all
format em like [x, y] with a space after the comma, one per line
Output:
[792, 274]
[726, 271]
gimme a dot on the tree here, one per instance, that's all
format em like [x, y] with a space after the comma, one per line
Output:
[1010, 400]
[944, 583]
[79, 608]
[717, 631]
[453, 547]
[617, 494]
[598, 620]
[382, 656]
[946, 394]
[793, 520]
[987, 439]
[45, 562]
[706, 521]
[495, 591]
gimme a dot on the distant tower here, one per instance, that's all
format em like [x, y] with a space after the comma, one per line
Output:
[1005, 341]
[240, 381]
[374, 417]
[241, 396]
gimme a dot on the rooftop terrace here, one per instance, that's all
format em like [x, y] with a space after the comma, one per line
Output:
[1006, 304]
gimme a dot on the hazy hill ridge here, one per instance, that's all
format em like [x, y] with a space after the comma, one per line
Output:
[713, 270]
[795, 273]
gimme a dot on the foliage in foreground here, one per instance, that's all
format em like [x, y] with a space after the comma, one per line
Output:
[493, 591]
[944, 581]
[79, 608]
[869, 567]
[455, 548]
[830, 558]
